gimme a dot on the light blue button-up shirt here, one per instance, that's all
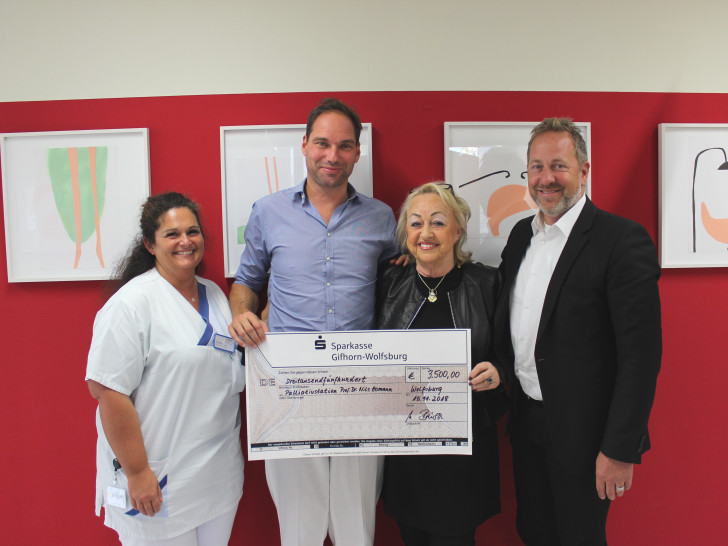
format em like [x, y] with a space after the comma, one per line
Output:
[321, 277]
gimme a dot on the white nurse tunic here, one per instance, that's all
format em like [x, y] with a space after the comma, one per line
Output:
[152, 345]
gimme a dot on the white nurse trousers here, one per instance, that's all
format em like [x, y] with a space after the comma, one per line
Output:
[319, 495]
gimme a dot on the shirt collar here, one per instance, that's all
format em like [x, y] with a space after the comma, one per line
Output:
[299, 193]
[565, 224]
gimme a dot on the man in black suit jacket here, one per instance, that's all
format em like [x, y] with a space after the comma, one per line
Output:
[579, 319]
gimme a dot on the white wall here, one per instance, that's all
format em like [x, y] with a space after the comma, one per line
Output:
[71, 49]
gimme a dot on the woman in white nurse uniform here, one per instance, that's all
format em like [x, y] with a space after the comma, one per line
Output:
[168, 383]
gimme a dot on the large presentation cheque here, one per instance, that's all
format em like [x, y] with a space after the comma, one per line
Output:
[379, 392]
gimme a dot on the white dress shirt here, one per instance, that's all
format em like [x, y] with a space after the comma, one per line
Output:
[529, 291]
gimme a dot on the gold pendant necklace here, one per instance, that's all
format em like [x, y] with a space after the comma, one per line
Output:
[433, 291]
[192, 299]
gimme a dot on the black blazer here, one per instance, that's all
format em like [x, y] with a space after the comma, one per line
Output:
[599, 341]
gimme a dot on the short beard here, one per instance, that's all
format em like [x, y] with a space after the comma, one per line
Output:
[568, 201]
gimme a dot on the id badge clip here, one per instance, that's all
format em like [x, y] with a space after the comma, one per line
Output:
[115, 495]
[224, 343]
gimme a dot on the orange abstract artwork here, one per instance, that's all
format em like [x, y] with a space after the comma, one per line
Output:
[717, 228]
[78, 181]
[505, 202]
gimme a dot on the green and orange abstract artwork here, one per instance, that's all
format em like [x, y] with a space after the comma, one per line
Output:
[78, 180]
[241, 228]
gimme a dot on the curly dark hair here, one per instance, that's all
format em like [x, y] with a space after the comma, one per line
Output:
[138, 260]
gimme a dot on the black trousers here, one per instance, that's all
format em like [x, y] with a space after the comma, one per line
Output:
[555, 505]
[417, 537]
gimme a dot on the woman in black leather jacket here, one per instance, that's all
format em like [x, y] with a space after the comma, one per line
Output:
[441, 499]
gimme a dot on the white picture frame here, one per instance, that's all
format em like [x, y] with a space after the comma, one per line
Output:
[260, 159]
[57, 182]
[693, 194]
[485, 162]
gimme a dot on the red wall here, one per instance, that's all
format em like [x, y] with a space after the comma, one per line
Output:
[47, 428]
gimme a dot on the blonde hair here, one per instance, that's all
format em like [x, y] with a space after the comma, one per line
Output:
[457, 205]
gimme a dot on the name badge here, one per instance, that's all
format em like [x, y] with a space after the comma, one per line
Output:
[224, 343]
[115, 496]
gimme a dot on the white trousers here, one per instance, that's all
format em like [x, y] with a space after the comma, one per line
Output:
[215, 532]
[320, 495]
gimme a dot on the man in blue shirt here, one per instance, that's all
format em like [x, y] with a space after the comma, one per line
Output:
[318, 246]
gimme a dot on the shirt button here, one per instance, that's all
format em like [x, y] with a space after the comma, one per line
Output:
[328, 284]
[328, 235]
[331, 310]
[328, 258]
